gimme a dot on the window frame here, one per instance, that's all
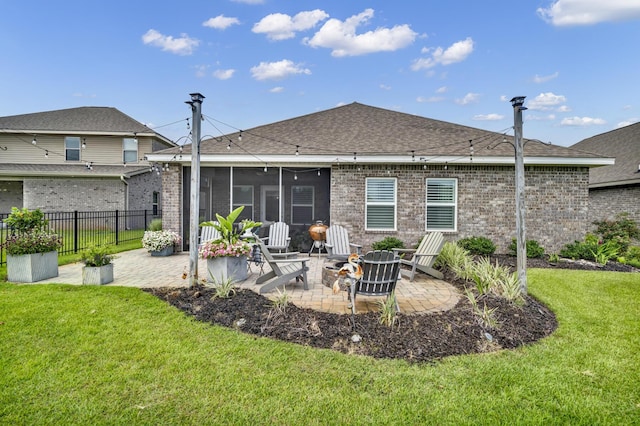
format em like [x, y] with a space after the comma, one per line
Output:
[393, 203]
[294, 204]
[67, 149]
[125, 150]
[453, 204]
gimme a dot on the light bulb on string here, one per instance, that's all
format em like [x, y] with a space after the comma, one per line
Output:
[229, 145]
[297, 149]
[46, 153]
[318, 172]
[265, 168]
[446, 167]
[34, 141]
[240, 136]
[295, 176]
[84, 143]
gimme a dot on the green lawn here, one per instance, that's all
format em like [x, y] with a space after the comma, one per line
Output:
[109, 355]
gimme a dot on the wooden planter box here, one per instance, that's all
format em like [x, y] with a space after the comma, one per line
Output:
[97, 275]
[219, 269]
[29, 268]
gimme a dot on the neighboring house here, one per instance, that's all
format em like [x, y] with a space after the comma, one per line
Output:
[616, 188]
[383, 173]
[84, 159]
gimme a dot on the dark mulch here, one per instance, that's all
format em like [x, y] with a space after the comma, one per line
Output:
[415, 338]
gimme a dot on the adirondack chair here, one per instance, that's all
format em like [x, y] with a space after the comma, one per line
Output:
[284, 268]
[424, 256]
[338, 245]
[208, 233]
[380, 273]
[278, 238]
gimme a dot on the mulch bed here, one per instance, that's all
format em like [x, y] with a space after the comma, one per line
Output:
[415, 337]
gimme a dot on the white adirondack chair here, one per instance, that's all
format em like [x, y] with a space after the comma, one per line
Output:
[278, 239]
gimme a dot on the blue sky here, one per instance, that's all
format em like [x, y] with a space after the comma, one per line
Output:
[260, 61]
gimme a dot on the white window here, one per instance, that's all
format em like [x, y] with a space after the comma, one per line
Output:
[380, 206]
[72, 148]
[442, 205]
[302, 204]
[243, 196]
[130, 150]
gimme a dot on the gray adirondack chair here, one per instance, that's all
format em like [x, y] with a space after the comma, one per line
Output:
[422, 258]
[278, 238]
[380, 273]
[338, 245]
[284, 268]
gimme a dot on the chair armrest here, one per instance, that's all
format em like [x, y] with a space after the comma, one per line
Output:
[426, 254]
[285, 255]
[400, 250]
[355, 245]
[294, 260]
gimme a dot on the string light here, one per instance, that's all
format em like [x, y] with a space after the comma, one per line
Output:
[446, 167]
[318, 172]
[265, 168]
[354, 157]
[240, 136]
[229, 146]
[295, 176]
[135, 138]
[188, 124]
[297, 149]
[34, 141]
[46, 153]
[413, 155]
[84, 143]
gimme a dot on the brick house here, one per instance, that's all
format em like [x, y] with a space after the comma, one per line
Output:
[382, 173]
[85, 159]
[615, 188]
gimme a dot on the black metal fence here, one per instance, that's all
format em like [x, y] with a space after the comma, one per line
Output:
[80, 230]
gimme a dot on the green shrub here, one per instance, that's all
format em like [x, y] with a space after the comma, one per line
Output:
[155, 225]
[581, 249]
[621, 230]
[387, 244]
[481, 246]
[96, 256]
[25, 220]
[534, 249]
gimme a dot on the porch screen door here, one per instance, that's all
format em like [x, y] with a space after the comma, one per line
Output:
[269, 206]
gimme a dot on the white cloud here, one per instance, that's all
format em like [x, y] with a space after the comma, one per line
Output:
[544, 78]
[442, 89]
[549, 117]
[220, 22]
[277, 70]
[627, 122]
[183, 45]
[582, 121]
[224, 74]
[588, 12]
[278, 26]
[488, 117]
[457, 52]
[468, 98]
[431, 99]
[546, 101]
[342, 39]
[201, 70]
[385, 87]
[564, 108]
[277, 89]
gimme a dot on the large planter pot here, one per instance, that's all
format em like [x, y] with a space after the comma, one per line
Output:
[29, 268]
[167, 251]
[220, 269]
[97, 275]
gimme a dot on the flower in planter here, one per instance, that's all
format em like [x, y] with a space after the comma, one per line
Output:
[28, 233]
[160, 240]
[232, 241]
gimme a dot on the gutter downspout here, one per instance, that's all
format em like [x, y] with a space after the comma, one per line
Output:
[126, 192]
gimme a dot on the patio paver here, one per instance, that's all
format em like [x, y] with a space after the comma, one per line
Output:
[136, 268]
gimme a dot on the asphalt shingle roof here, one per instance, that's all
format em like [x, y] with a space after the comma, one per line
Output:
[368, 130]
[103, 120]
[624, 145]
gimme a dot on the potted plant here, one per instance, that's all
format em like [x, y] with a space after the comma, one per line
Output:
[32, 252]
[98, 268]
[227, 256]
[160, 243]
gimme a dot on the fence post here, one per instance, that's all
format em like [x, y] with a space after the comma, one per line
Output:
[75, 231]
[117, 226]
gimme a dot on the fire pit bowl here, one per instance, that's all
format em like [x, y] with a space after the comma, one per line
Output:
[330, 272]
